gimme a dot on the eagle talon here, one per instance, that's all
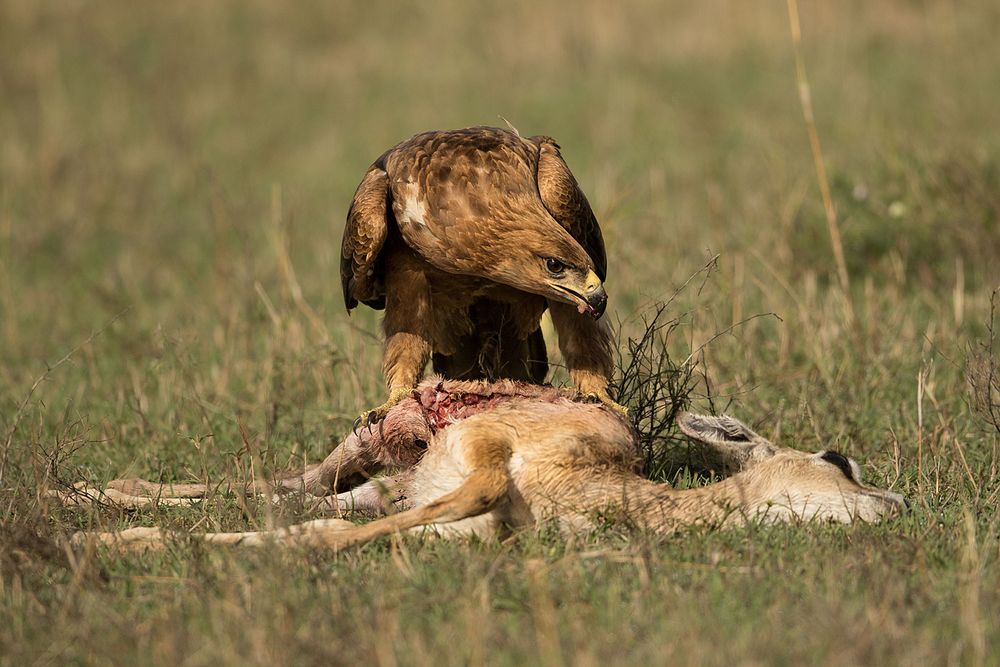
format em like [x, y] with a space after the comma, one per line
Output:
[608, 402]
[371, 417]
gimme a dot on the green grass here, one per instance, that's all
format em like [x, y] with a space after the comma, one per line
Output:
[157, 164]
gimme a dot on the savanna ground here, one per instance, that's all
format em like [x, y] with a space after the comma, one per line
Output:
[173, 183]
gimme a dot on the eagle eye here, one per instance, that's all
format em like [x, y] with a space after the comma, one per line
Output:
[554, 266]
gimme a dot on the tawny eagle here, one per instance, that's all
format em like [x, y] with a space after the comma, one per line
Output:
[465, 237]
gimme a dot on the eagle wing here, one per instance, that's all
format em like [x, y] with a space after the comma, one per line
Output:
[450, 193]
[566, 202]
[364, 236]
[454, 193]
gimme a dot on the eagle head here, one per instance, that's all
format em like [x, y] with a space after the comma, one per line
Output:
[549, 262]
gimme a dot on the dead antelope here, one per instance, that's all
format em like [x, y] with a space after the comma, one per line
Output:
[484, 458]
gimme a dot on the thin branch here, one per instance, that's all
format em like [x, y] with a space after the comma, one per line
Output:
[19, 413]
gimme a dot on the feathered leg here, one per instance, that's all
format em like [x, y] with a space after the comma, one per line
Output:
[407, 328]
[585, 344]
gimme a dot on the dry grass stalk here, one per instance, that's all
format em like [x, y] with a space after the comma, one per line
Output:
[983, 371]
[805, 97]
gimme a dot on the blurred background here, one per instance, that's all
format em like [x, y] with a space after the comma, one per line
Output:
[174, 179]
[186, 168]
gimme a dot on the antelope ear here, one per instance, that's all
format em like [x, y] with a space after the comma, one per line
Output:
[715, 430]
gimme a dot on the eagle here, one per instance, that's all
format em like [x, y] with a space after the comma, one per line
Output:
[465, 238]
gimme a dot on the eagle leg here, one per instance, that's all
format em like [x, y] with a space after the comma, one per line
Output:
[586, 348]
[406, 324]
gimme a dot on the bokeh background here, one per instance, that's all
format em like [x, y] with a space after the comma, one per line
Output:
[174, 179]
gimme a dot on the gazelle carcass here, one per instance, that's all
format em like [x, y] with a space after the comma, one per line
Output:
[483, 458]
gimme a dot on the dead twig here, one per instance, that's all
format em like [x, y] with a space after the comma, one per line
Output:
[19, 413]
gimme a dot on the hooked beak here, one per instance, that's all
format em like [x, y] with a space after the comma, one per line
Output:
[593, 300]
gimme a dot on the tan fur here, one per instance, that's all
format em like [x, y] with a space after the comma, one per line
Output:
[543, 454]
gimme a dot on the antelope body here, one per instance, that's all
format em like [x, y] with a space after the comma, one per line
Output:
[470, 457]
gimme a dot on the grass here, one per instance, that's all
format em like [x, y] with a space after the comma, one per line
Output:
[173, 184]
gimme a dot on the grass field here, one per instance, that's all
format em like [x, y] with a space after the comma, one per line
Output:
[173, 183]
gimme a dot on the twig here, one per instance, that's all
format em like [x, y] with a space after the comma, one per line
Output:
[19, 413]
[655, 302]
[729, 329]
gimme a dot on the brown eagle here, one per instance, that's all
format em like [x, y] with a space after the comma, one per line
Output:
[465, 237]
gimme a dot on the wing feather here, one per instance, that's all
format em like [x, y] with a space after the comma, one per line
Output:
[452, 196]
[566, 202]
[364, 236]
[455, 193]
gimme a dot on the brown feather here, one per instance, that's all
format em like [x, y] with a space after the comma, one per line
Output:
[364, 235]
[566, 202]
[471, 215]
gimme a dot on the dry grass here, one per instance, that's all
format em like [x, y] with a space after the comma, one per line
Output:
[173, 183]
[983, 364]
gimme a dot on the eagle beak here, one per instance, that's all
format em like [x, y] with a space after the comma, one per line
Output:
[589, 298]
[595, 296]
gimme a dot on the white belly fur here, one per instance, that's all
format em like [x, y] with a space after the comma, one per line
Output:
[442, 470]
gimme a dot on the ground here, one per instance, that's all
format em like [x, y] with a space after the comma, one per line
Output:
[173, 185]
